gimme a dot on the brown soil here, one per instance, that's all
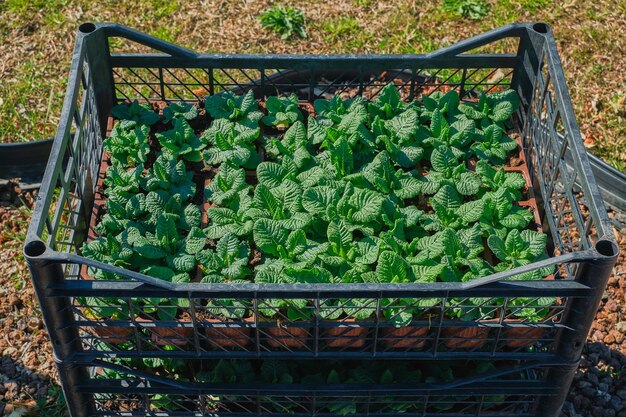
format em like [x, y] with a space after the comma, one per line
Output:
[346, 336]
[528, 335]
[459, 337]
[404, 337]
[283, 336]
[179, 336]
[231, 337]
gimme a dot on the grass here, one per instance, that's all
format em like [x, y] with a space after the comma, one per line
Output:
[36, 39]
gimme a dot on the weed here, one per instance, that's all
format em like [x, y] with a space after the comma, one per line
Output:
[286, 21]
[472, 9]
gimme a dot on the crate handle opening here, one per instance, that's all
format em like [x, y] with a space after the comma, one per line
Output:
[34, 249]
[87, 27]
[541, 28]
[607, 248]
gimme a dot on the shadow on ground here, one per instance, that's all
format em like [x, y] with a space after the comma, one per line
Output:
[25, 393]
[599, 387]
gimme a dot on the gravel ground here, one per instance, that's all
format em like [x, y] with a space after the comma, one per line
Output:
[29, 385]
[599, 387]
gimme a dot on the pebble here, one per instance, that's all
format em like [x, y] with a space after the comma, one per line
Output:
[598, 412]
[616, 404]
[9, 351]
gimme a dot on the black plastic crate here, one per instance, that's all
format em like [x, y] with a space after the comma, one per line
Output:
[570, 210]
[512, 390]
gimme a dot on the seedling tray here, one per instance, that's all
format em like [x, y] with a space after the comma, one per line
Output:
[582, 246]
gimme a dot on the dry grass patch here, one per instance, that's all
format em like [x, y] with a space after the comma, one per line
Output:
[36, 40]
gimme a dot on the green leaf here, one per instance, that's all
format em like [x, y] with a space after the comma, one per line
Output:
[502, 111]
[183, 110]
[448, 197]
[195, 241]
[392, 268]
[339, 237]
[160, 272]
[496, 244]
[272, 174]
[265, 200]
[471, 211]
[536, 242]
[166, 231]
[270, 237]
[181, 262]
[443, 159]
[468, 183]
[342, 158]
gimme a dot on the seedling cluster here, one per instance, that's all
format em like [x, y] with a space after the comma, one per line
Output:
[350, 191]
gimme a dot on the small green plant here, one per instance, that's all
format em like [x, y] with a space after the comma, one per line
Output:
[363, 209]
[456, 136]
[493, 145]
[518, 249]
[401, 136]
[182, 110]
[170, 175]
[380, 175]
[451, 212]
[134, 115]
[128, 147]
[167, 243]
[446, 170]
[532, 310]
[274, 238]
[181, 142]
[282, 111]
[235, 218]
[500, 214]
[495, 108]
[494, 178]
[231, 142]
[281, 204]
[225, 187]
[122, 183]
[286, 21]
[293, 145]
[241, 109]
[387, 104]
[110, 250]
[229, 260]
[472, 9]
[446, 103]
[333, 111]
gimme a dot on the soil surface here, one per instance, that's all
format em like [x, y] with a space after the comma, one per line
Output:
[29, 384]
